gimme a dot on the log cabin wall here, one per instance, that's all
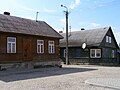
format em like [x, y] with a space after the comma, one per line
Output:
[26, 48]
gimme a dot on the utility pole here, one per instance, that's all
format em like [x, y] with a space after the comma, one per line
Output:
[66, 13]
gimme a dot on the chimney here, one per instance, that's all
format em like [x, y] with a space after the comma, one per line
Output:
[60, 31]
[6, 13]
[82, 29]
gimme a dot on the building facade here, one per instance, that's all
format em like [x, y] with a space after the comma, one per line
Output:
[26, 42]
[101, 47]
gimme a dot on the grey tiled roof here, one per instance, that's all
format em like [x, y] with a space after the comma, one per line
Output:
[92, 37]
[26, 26]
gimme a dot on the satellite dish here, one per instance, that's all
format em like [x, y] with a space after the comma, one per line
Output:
[84, 45]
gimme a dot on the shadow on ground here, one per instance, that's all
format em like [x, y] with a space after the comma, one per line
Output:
[39, 73]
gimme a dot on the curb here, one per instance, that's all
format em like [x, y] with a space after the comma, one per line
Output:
[92, 82]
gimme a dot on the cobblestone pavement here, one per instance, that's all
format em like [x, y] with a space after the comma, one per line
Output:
[71, 77]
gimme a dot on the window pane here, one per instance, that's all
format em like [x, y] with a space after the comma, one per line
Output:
[11, 45]
[11, 39]
[40, 45]
[92, 53]
[107, 39]
[113, 53]
[95, 53]
[51, 47]
[64, 52]
[38, 48]
[13, 48]
[9, 48]
[40, 41]
[42, 49]
[51, 42]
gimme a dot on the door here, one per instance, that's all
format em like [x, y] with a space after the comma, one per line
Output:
[27, 49]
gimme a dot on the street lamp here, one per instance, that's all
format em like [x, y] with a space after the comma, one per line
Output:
[66, 13]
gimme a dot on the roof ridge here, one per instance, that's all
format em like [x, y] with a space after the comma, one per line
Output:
[26, 26]
[104, 28]
[22, 18]
[96, 29]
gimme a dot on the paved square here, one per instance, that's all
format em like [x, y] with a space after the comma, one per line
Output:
[71, 77]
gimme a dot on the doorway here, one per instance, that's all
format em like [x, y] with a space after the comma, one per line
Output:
[27, 49]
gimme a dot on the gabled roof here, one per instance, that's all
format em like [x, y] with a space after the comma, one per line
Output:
[25, 26]
[92, 37]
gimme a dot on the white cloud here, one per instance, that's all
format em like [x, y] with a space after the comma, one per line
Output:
[94, 24]
[99, 3]
[117, 36]
[89, 24]
[49, 10]
[74, 4]
[15, 6]
[63, 21]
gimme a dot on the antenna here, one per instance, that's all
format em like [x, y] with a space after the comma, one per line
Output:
[36, 16]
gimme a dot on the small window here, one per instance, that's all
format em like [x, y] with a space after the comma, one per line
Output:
[64, 53]
[11, 45]
[113, 53]
[95, 53]
[51, 47]
[98, 53]
[92, 52]
[40, 46]
[107, 39]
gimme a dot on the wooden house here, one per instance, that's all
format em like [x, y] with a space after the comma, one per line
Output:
[25, 42]
[101, 47]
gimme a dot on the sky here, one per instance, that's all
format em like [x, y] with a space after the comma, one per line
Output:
[87, 14]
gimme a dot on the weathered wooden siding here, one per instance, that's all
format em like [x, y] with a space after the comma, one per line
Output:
[76, 52]
[112, 44]
[78, 55]
[31, 42]
[46, 56]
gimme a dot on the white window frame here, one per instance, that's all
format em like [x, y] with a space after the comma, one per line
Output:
[95, 53]
[51, 46]
[108, 39]
[113, 53]
[40, 46]
[64, 53]
[12, 47]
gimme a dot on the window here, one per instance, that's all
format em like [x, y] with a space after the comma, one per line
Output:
[11, 45]
[95, 53]
[113, 53]
[40, 46]
[64, 52]
[108, 39]
[51, 47]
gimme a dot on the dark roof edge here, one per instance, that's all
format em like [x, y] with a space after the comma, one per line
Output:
[61, 37]
[114, 37]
